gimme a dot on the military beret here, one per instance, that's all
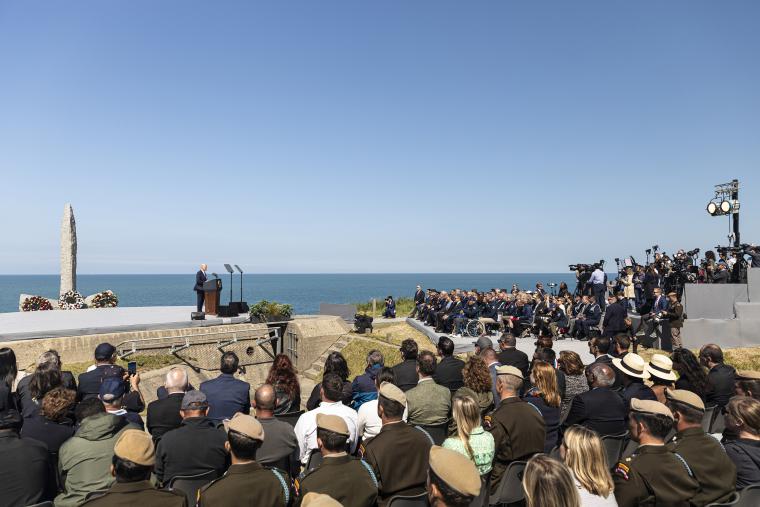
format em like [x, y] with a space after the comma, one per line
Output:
[245, 424]
[334, 423]
[509, 370]
[390, 391]
[458, 472]
[319, 500]
[748, 375]
[686, 397]
[135, 446]
[650, 407]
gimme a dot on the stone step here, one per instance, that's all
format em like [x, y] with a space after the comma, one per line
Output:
[312, 373]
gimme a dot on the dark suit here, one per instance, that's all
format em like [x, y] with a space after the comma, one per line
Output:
[163, 415]
[30, 408]
[614, 319]
[639, 391]
[200, 277]
[448, 373]
[720, 381]
[405, 374]
[517, 358]
[226, 396]
[89, 386]
[599, 409]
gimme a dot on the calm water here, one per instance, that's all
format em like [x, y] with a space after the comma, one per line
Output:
[304, 292]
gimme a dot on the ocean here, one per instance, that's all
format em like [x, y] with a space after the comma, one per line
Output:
[303, 291]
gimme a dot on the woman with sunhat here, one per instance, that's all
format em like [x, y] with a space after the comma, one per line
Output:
[661, 373]
[634, 370]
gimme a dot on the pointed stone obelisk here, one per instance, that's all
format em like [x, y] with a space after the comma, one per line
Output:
[68, 250]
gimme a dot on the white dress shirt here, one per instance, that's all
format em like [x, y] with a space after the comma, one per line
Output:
[597, 277]
[306, 427]
[369, 424]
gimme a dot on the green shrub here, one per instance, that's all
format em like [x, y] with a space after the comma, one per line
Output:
[264, 309]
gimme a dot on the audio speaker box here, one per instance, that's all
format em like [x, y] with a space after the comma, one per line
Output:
[197, 316]
[225, 311]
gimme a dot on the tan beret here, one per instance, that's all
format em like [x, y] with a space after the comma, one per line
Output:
[650, 407]
[319, 500]
[135, 446]
[509, 370]
[686, 397]
[334, 423]
[390, 391]
[748, 375]
[458, 472]
[245, 424]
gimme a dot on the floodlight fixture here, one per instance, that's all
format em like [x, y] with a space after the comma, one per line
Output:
[712, 208]
[725, 206]
[726, 202]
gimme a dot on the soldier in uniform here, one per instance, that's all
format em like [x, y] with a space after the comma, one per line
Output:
[674, 314]
[518, 428]
[246, 482]
[654, 474]
[134, 457]
[399, 453]
[453, 480]
[706, 457]
[345, 478]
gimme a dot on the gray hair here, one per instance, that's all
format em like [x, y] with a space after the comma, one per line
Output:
[176, 380]
[603, 374]
[375, 357]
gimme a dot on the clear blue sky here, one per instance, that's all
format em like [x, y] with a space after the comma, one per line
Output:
[388, 136]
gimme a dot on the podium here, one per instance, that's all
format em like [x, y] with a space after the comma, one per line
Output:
[211, 291]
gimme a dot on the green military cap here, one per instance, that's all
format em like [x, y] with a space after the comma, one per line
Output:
[334, 423]
[686, 397]
[458, 472]
[650, 407]
[135, 446]
[747, 375]
[509, 370]
[245, 424]
[390, 391]
[319, 500]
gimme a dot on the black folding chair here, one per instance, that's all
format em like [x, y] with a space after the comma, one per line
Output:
[510, 488]
[613, 447]
[291, 417]
[409, 501]
[749, 496]
[437, 432]
[190, 484]
[315, 459]
[707, 419]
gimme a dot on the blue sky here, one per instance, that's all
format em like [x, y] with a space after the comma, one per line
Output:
[373, 136]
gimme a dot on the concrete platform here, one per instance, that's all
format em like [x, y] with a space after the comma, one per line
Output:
[56, 323]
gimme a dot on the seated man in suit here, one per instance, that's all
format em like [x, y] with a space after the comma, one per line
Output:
[590, 318]
[448, 373]
[200, 277]
[428, 403]
[89, 381]
[405, 372]
[599, 409]
[163, 414]
[720, 377]
[226, 394]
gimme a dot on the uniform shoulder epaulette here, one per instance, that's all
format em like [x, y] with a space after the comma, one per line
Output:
[282, 477]
[488, 422]
[685, 465]
[370, 471]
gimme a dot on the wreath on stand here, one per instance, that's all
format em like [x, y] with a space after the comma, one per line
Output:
[71, 300]
[105, 299]
[36, 304]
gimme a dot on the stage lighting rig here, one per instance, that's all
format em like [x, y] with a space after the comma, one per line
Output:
[726, 202]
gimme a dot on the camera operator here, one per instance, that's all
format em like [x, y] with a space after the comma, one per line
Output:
[720, 275]
[598, 283]
[390, 308]
[674, 315]
[754, 253]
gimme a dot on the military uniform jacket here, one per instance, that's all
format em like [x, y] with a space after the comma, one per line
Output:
[399, 457]
[519, 432]
[654, 476]
[348, 480]
[248, 484]
[711, 466]
[142, 493]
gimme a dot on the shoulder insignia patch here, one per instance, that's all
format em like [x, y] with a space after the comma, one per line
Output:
[622, 469]
[487, 423]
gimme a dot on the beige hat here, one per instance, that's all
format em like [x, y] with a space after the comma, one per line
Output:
[319, 500]
[686, 397]
[509, 370]
[661, 366]
[245, 424]
[334, 423]
[650, 407]
[390, 391]
[135, 446]
[458, 472]
[747, 375]
[632, 365]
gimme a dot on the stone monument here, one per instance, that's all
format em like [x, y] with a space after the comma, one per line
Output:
[68, 250]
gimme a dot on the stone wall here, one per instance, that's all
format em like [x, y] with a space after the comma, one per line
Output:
[312, 337]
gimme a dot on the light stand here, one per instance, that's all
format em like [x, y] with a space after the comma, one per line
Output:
[230, 271]
[726, 202]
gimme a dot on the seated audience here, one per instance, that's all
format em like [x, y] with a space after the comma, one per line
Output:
[335, 363]
[368, 420]
[549, 483]
[284, 378]
[620, 345]
[747, 384]
[509, 355]
[306, 427]
[363, 388]
[398, 472]
[52, 425]
[518, 429]
[584, 454]
[492, 363]
[600, 409]
[471, 439]
[453, 481]
[246, 481]
[10, 375]
[112, 392]
[743, 420]
[661, 375]
[406, 371]
[544, 395]
[549, 357]
[89, 381]
[570, 364]
[448, 373]
[227, 395]
[196, 447]
[633, 370]
[720, 376]
[84, 460]
[134, 457]
[477, 379]
[44, 380]
[280, 441]
[25, 473]
[428, 403]
[163, 414]
[654, 475]
[345, 478]
[709, 464]
[691, 375]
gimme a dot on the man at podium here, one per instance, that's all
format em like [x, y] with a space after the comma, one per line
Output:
[200, 277]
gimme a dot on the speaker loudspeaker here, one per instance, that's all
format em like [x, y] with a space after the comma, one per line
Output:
[197, 316]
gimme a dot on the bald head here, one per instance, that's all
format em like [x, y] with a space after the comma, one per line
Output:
[176, 380]
[265, 400]
[600, 375]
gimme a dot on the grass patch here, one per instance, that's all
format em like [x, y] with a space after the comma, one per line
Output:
[403, 307]
[746, 358]
[144, 363]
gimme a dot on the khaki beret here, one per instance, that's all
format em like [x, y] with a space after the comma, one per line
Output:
[245, 424]
[748, 375]
[458, 472]
[686, 397]
[390, 391]
[509, 370]
[334, 423]
[319, 500]
[650, 407]
[135, 446]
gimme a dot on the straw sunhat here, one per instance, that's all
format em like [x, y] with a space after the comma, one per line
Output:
[632, 365]
[661, 366]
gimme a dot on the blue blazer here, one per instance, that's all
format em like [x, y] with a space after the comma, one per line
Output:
[226, 396]
[660, 305]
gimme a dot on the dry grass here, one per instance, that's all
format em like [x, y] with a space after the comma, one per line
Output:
[747, 358]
